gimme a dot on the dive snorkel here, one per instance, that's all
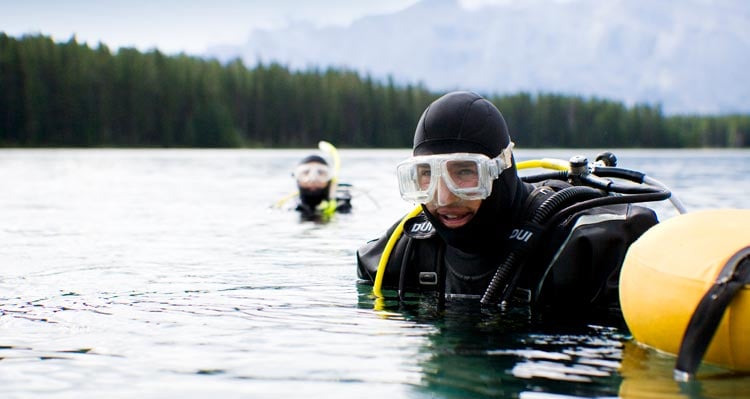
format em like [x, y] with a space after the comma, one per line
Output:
[330, 206]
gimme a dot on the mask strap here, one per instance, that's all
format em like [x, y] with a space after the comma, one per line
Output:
[506, 156]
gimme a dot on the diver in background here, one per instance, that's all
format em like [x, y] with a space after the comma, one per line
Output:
[474, 209]
[319, 196]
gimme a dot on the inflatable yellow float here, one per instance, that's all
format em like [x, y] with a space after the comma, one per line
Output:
[684, 289]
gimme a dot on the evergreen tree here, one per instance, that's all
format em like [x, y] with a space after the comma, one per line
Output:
[67, 94]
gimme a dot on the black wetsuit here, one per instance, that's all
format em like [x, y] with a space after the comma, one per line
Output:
[309, 210]
[572, 265]
[575, 266]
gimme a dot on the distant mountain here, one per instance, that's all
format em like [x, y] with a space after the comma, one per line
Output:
[690, 56]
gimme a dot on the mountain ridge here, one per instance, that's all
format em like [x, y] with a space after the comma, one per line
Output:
[688, 56]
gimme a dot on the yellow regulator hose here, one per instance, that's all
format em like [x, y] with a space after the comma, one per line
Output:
[378, 283]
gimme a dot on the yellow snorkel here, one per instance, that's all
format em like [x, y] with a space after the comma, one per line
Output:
[330, 206]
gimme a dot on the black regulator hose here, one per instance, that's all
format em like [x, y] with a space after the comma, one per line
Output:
[554, 202]
[656, 195]
[596, 191]
[609, 171]
[558, 175]
[504, 279]
[611, 186]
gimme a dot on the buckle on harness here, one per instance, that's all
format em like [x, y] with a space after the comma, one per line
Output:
[428, 278]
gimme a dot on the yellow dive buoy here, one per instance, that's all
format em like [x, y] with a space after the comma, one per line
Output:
[681, 286]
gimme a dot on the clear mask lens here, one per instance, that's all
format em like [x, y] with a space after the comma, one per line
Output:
[312, 173]
[467, 176]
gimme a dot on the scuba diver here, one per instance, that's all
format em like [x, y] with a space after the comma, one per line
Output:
[481, 231]
[319, 193]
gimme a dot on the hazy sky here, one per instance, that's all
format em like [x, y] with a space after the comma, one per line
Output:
[175, 25]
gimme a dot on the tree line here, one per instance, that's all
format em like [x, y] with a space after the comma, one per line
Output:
[71, 95]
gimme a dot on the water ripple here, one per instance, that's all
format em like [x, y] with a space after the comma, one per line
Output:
[152, 274]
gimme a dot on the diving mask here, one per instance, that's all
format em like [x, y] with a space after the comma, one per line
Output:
[468, 176]
[312, 173]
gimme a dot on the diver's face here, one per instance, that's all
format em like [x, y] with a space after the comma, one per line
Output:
[312, 176]
[450, 210]
[312, 185]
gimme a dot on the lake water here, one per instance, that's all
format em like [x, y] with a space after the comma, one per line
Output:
[166, 273]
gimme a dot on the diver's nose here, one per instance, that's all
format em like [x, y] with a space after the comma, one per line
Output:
[444, 195]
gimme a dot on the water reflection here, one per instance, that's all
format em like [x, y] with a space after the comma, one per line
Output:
[475, 352]
[648, 374]
[478, 352]
[152, 274]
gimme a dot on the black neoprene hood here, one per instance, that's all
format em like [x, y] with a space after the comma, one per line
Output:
[461, 121]
[313, 159]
